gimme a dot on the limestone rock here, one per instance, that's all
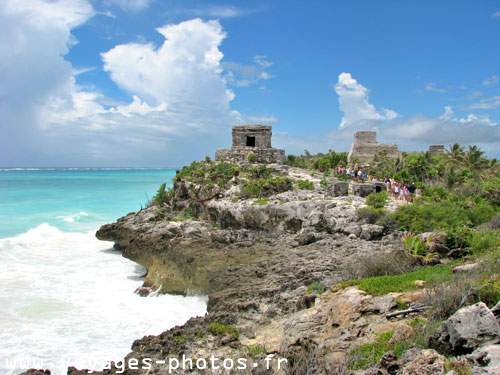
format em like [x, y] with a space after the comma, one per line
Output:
[337, 189]
[486, 360]
[466, 330]
[371, 232]
[427, 362]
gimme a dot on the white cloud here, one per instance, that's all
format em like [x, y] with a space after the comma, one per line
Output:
[496, 14]
[262, 61]
[241, 75]
[261, 119]
[354, 102]
[180, 107]
[35, 36]
[222, 11]
[487, 103]
[185, 70]
[490, 81]
[130, 5]
[431, 86]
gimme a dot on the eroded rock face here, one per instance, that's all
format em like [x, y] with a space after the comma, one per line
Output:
[466, 330]
[255, 261]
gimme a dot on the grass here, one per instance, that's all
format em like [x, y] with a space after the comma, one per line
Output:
[381, 285]
[371, 352]
[254, 350]
[218, 329]
[261, 202]
[316, 287]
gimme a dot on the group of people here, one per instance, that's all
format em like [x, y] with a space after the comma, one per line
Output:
[401, 191]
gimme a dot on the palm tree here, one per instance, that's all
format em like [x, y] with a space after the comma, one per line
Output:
[473, 160]
[455, 153]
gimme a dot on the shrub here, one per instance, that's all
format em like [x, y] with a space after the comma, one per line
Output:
[251, 157]
[218, 329]
[484, 240]
[414, 245]
[254, 350]
[316, 287]
[446, 297]
[163, 195]
[393, 263]
[370, 214]
[305, 184]
[265, 187]
[377, 200]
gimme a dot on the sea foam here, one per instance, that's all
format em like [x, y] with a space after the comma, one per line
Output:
[68, 299]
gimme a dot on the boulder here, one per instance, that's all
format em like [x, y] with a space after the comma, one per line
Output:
[496, 311]
[486, 360]
[466, 330]
[337, 189]
[371, 232]
[427, 362]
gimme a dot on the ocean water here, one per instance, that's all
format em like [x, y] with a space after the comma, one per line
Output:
[65, 297]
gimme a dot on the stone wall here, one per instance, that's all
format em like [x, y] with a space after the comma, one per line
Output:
[365, 146]
[251, 139]
[261, 133]
[365, 189]
[239, 155]
[436, 149]
[368, 137]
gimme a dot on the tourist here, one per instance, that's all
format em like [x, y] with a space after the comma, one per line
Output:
[411, 190]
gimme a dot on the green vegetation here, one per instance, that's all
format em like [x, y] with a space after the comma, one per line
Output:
[261, 202]
[371, 215]
[265, 187]
[320, 162]
[218, 329]
[377, 200]
[414, 245]
[255, 350]
[316, 287]
[305, 185]
[371, 353]
[251, 157]
[381, 285]
[163, 195]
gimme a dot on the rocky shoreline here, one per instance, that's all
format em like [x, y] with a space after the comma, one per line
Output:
[268, 267]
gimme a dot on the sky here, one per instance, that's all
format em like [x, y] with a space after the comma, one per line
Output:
[159, 83]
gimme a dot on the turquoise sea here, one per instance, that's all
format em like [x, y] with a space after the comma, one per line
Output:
[58, 197]
[65, 297]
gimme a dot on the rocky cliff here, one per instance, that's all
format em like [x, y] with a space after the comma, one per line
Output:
[268, 266]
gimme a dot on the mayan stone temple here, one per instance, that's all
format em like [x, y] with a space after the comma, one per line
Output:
[365, 146]
[251, 139]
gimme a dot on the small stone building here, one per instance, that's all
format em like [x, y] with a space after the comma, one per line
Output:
[365, 146]
[251, 139]
[436, 149]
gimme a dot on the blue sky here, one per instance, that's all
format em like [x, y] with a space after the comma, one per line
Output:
[159, 83]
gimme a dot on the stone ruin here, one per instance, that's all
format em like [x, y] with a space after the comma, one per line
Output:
[365, 146]
[365, 189]
[251, 139]
[436, 150]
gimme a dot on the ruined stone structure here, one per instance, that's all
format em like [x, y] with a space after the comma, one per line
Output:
[365, 189]
[251, 139]
[436, 150]
[365, 146]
